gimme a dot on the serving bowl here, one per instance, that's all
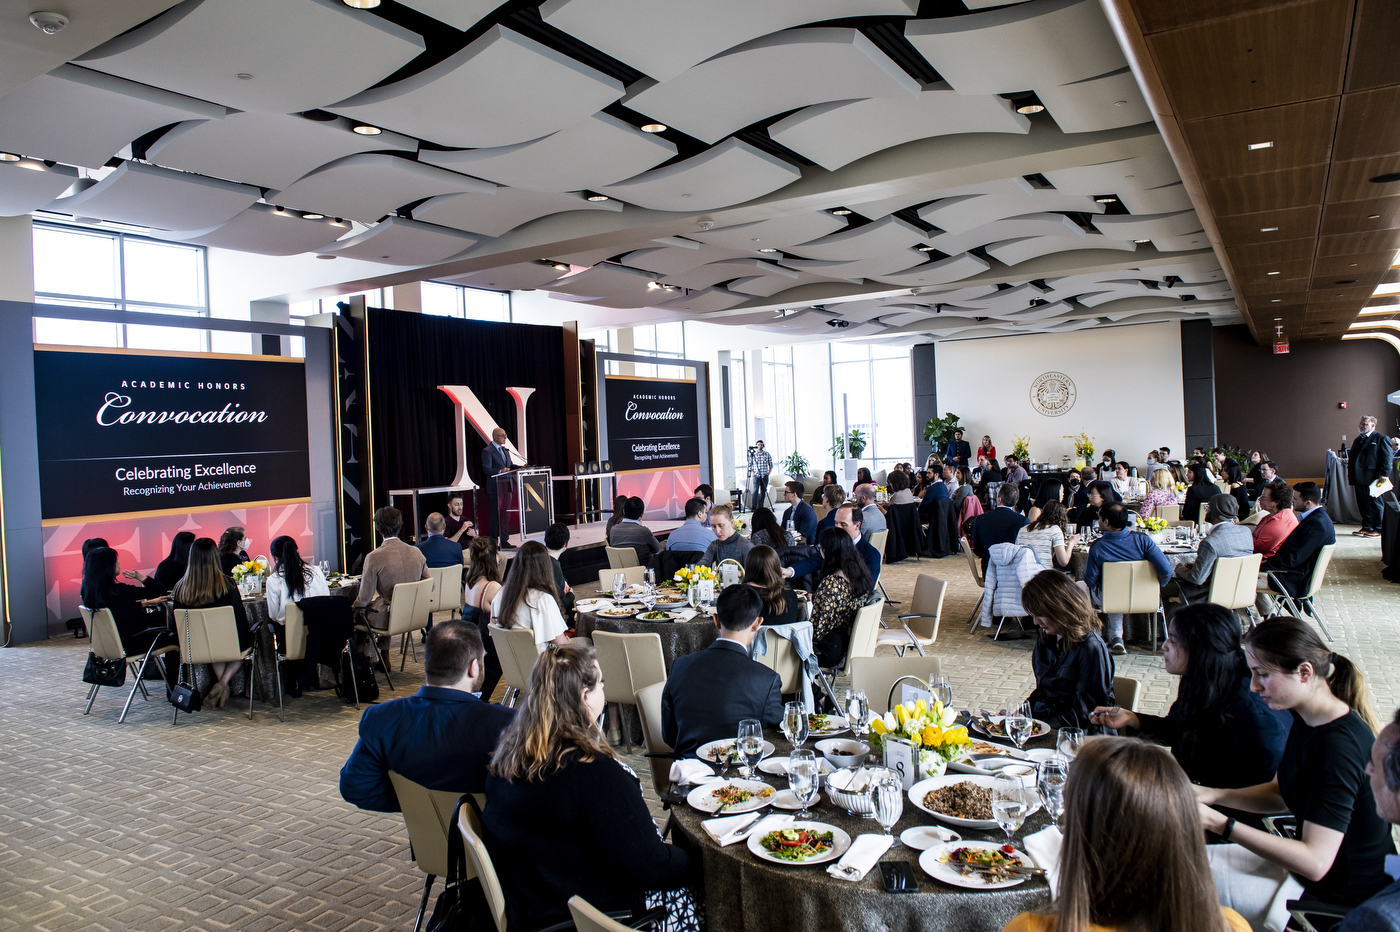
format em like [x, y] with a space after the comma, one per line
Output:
[844, 752]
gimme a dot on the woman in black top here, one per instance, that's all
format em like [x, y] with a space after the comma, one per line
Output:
[1220, 732]
[863, 477]
[565, 817]
[764, 529]
[764, 571]
[1340, 854]
[1073, 669]
[1234, 481]
[828, 478]
[127, 604]
[204, 585]
[173, 567]
[233, 548]
[1198, 493]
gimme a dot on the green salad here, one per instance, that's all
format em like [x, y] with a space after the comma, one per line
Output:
[796, 844]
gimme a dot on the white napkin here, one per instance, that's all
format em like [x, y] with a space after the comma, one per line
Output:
[861, 856]
[1044, 847]
[686, 614]
[594, 605]
[732, 829]
[690, 771]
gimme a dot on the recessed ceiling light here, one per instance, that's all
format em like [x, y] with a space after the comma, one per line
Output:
[1030, 108]
[1278, 318]
[1270, 273]
[362, 4]
[1260, 145]
[313, 216]
[1275, 300]
[926, 248]
[559, 266]
[767, 249]
[840, 212]
[243, 76]
[1104, 200]
[1141, 241]
[367, 130]
[1373, 216]
[1387, 178]
[654, 127]
[8, 157]
[1268, 229]
[595, 198]
[654, 285]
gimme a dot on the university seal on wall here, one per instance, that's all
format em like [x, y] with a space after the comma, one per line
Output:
[1052, 394]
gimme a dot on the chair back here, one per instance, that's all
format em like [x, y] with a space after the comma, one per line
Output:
[1324, 557]
[821, 511]
[517, 651]
[1125, 692]
[294, 642]
[1201, 513]
[210, 637]
[928, 600]
[1167, 512]
[973, 563]
[782, 659]
[629, 662]
[649, 710]
[865, 631]
[634, 573]
[621, 557]
[427, 814]
[1131, 587]
[878, 540]
[876, 675]
[479, 862]
[102, 627]
[409, 608]
[447, 588]
[1234, 581]
[589, 918]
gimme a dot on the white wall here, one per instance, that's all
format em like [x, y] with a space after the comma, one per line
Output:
[1127, 380]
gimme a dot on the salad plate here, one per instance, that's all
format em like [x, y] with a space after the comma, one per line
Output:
[997, 727]
[786, 799]
[824, 726]
[712, 752]
[801, 843]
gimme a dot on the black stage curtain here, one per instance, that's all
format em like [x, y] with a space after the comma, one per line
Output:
[412, 427]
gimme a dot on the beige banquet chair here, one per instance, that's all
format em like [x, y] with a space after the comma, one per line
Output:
[634, 574]
[619, 558]
[629, 662]
[876, 675]
[1233, 581]
[107, 644]
[210, 635]
[589, 918]
[659, 754]
[292, 646]
[782, 659]
[1131, 587]
[447, 589]
[919, 628]
[865, 634]
[518, 652]
[1125, 692]
[878, 540]
[427, 814]
[975, 565]
[410, 610]
[1302, 606]
[1167, 512]
[479, 863]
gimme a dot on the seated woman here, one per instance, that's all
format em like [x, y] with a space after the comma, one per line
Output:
[233, 548]
[1340, 854]
[845, 583]
[1051, 490]
[1220, 732]
[899, 489]
[729, 544]
[766, 531]
[127, 604]
[1161, 490]
[1133, 855]
[764, 572]
[528, 599]
[566, 817]
[962, 489]
[1234, 484]
[205, 585]
[863, 477]
[292, 580]
[1098, 494]
[832, 496]
[1198, 492]
[1073, 669]
[482, 585]
[828, 478]
[618, 513]
[1045, 534]
[169, 571]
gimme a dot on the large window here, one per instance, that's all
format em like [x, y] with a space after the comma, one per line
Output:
[871, 391]
[779, 408]
[444, 300]
[664, 340]
[80, 267]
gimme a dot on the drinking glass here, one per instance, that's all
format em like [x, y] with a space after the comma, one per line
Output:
[750, 745]
[857, 710]
[325, 567]
[887, 800]
[802, 778]
[1009, 803]
[1020, 724]
[619, 585]
[1050, 779]
[942, 689]
[795, 723]
[1068, 740]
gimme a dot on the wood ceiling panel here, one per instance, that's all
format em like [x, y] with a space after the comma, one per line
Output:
[1248, 275]
[1274, 286]
[1354, 265]
[1249, 194]
[1160, 15]
[1351, 181]
[1352, 296]
[1293, 223]
[1381, 213]
[1345, 244]
[1373, 59]
[1368, 127]
[1263, 253]
[1264, 58]
[1301, 135]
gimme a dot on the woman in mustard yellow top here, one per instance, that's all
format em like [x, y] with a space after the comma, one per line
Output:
[1134, 854]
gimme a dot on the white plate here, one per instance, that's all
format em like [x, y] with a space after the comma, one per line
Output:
[592, 605]
[670, 616]
[1041, 728]
[1040, 755]
[785, 799]
[922, 837]
[923, 787]
[703, 798]
[932, 863]
[840, 841]
[777, 766]
[703, 751]
[626, 612]
[835, 725]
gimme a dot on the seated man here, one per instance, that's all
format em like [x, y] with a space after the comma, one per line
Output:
[874, 519]
[1381, 913]
[440, 738]
[630, 532]
[706, 494]
[799, 517]
[692, 536]
[458, 529]
[998, 526]
[1276, 501]
[1122, 484]
[1014, 471]
[708, 693]
[437, 549]
[556, 540]
[387, 565]
[1118, 545]
[1224, 539]
[1292, 564]
[938, 489]
[849, 518]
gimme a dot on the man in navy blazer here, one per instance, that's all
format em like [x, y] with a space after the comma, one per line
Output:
[440, 738]
[998, 526]
[495, 459]
[958, 451]
[800, 516]
[708, 693]
[437, 549]
[1292, 565]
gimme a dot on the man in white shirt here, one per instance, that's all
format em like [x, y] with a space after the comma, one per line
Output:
[872, 518]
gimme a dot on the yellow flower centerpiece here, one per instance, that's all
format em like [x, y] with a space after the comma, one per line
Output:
[934, 730]
[1021, 447]
[688, 576]
[1153, 525]
[249, 568]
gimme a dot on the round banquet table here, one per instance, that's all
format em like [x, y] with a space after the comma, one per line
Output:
[743, 893]
[678, 638]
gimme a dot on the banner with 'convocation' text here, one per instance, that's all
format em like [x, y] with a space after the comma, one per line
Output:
[652, 423]
[124, 432]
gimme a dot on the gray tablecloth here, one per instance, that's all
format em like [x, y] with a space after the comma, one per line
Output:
[678, 638]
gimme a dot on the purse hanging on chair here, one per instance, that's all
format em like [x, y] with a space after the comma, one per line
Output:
[101, 672]
[186, 698]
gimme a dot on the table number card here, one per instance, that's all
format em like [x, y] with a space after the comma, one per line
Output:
[705, 590]
[908, 693]
[728, 575]
[902, 757]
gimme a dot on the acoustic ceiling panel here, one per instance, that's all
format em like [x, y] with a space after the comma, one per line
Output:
[500, 90]
[369, 185]
[857, 269]
[503, 210]
[1019, 48]
[878, 238]
[83, 117]
[270, 150]
[1044, 224]
[1106, 102]
[715, 272]
[590, 154]
[521, 276]
[1148, 226]
[673, 260]
[729, 173]
[663, 39]
[459, 14]
[771, 75]
[1166, 199]
[30, 184]
[968, 208]
[777, 233]
[1016, 251]
[704, 301]
[760, 286]
[404, 242]
[148, 196]
[939, 272]
[298, 54]
[609, 280]
[836, 134]
[265, 230]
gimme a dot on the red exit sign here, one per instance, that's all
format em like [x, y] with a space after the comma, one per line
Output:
[1280, 349]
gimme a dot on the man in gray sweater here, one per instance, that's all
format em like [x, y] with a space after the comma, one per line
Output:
[1225, 539]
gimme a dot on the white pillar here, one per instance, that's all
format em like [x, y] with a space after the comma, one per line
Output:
[16, 259]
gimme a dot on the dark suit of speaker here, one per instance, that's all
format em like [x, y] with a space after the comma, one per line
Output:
[1369, 460]
[493, 459]
[1293, 564]
[708, 693]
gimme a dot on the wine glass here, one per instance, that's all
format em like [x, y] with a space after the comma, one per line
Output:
[1009, 804]
[942, 689]
[887, 800]
[1020, 724]
[619, 586]
[795, 723]
[802, 777]
[750, 745]
[857, 711]
[1068, 740]
[1050, 779]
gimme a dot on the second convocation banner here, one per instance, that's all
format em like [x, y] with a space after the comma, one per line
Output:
[652, 423]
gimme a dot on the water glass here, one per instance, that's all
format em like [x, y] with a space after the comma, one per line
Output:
[795, 723]
[1068, 740]
[1009, 803]
[1050, 779]
[619, 586]
[857, 710]
[887, 800]
[942, 689]
[750, 745]
[1019, 724]
[803, 776]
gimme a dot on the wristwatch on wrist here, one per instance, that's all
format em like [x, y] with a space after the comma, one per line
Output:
[1228, 830]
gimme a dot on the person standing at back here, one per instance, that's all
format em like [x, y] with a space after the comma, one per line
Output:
[1369, 460]
[496, 460]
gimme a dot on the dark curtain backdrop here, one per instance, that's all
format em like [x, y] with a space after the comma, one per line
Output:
[411, 354]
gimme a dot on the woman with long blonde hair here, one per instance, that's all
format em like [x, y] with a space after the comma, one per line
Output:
[204, 585]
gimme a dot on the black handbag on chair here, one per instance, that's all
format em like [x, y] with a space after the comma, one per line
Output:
[186, 698]
[101, 672]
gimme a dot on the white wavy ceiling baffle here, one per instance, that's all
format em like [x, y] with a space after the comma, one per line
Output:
[817, 169]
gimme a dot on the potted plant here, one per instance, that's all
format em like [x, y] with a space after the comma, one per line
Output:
[939, 431]
[857, 442]
[795, 465]
[1083, 449]
[1021, 448]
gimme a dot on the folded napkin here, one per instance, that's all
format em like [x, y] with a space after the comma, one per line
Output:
[861, 857]
[690, 771]
[686, 614]
[1044, 847]
[593, 605]
[732, 829]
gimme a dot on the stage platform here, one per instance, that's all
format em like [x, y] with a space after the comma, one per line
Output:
[595, 534]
